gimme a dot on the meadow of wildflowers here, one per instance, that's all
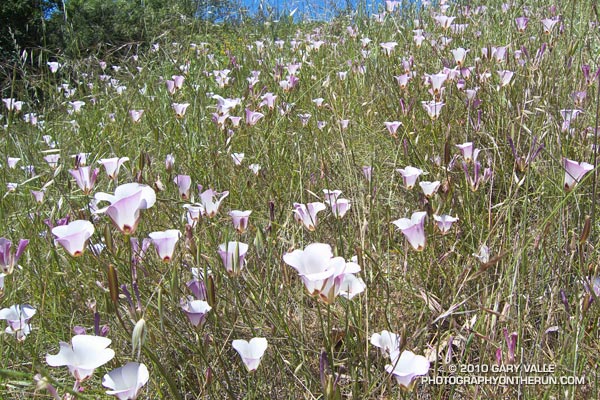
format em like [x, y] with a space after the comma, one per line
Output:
[318, 210]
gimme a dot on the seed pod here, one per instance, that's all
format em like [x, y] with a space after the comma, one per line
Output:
[587, 227]
[113, 284]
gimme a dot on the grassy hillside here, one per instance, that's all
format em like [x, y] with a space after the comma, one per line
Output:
[500, 111]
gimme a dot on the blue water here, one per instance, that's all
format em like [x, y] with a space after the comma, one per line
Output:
[309, 9]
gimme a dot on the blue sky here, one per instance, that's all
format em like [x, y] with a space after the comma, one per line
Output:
[312, 9]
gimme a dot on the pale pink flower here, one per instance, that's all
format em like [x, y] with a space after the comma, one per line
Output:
[125, 382]
[413, 229]
[406, 366]
[73, 237]
[252, 117]
[85, 177]
[83, 356]
[574, 172]
[164, 242]
[233, 255]
[444, 222]
[180, 109]
[125, 205]
[388, 47]
[112, 165]
[251, 352]
[410, 175]
[306, 214]
[429, 188]
[433, 108]
[184, 183]
[211, 200]
[240, 219]
[392, 127]
[136, 115]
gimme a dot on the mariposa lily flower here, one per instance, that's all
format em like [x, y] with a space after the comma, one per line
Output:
[13, 104]
[390, 6]
[459, 55]
[169, 162]
[466, 150]
[38, 195]
[410, 176]
[388, 47]
[497, 53]
[240, 219]
[254, 168]
[164, 242]
[194, 212]
[549, 24]
[170, 84]
[521, 23]
[388, 342]
[251, 352]
[112, 165]
[444, 222]
[233, 255]
[252, 117]
[82, 356]
[339, 207]
[85, 177]
[75, 106]
[418, 37]
[211, 200]
[178, 81]
[304, 118]
[505, 77]
[12, 162]
[321, 273]
[403, 80]
[196, 310]
[350, 286]
[437, 81]
[184, 183]
[367, 172]
[73, 236]
[568, 116]
[444, 21]
[406, 366]
[8, 260]
[136, 115]
[18, 317]
[574, 172]
[180, 109]
[54, 66]
[52, 160]
[237, 158]
[268, 99]
[125, 205]
[392, 127]
[125, 382]
[306, 214]
[413, 229]
[429, 188]
[433, 108]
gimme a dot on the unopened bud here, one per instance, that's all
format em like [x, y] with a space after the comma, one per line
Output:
[138, 337]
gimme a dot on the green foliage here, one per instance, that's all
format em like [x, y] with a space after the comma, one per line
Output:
[22, 24]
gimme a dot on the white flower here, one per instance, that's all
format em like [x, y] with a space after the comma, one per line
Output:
[126, 382]
[406, 366]
[387, 341]
[83, 356]
[251, 352]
